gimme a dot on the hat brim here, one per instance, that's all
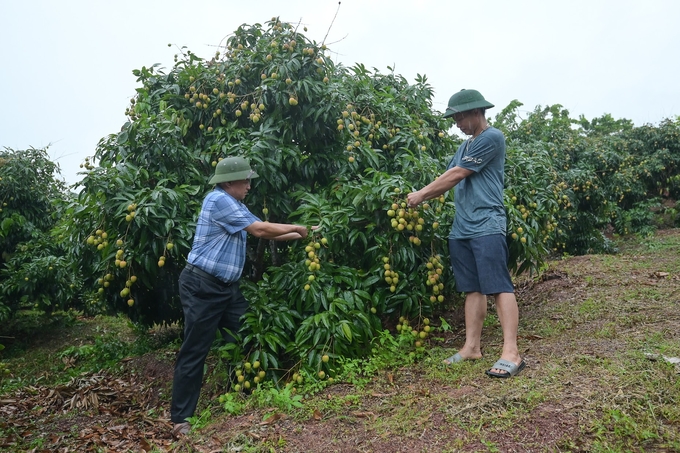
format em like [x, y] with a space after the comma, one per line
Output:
[450, 111]
[229, 177]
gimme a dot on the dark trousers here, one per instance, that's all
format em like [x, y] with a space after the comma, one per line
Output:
[208, 305]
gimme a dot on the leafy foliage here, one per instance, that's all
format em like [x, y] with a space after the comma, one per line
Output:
[41, 275]
[331, 145]
[32, 269]
[609, 173]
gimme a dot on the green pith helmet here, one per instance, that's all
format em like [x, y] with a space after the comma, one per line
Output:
[232, 169]
[466, 100]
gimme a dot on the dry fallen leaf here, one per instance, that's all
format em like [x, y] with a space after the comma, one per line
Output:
[370, 415]
[144, 445]
[382, 395]
[273, 418]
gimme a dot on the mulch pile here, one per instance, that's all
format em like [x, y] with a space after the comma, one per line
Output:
[96, 412]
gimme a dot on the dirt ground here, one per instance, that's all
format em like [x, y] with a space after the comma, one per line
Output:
[406, 409]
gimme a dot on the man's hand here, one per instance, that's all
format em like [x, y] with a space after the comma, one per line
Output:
[444, 182]
[414, 199]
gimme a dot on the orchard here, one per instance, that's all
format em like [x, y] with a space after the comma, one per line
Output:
[336, 147]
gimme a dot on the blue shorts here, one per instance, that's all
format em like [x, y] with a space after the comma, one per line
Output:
[481, 265]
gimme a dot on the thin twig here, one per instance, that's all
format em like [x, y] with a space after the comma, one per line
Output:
[331, 25]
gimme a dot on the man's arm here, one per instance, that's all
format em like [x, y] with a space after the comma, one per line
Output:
[440, 185]
[277, 231]
[287, 237]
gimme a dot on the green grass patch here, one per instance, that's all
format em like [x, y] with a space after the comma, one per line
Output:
[52, 349]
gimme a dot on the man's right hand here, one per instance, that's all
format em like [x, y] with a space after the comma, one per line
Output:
[414, 199]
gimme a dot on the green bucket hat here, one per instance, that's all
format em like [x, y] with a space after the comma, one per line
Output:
[466, 100]
[232, 169]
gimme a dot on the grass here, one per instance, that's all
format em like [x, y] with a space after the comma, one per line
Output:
[592, 354]
[51, 350]
[594, 339]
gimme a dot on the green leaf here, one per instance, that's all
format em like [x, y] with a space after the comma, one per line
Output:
[347, 331]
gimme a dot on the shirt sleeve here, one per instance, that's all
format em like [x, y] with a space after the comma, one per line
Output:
[481, 153]
[232, 215]
[455, 158]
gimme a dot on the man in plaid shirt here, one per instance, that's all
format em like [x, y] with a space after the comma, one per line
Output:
[209, 284]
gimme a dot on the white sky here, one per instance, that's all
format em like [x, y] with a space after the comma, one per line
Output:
[66, 66]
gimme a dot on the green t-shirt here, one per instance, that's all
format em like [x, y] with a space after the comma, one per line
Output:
[479, 197]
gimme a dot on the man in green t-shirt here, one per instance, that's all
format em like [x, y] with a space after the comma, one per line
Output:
[479, 252]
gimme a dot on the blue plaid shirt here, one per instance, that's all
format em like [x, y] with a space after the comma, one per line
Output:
[220, 242]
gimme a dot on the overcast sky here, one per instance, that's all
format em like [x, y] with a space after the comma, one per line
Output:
[67, 65]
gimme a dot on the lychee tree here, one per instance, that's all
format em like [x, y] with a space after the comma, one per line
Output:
[34, 269]
[609, 174]
[335, 147]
